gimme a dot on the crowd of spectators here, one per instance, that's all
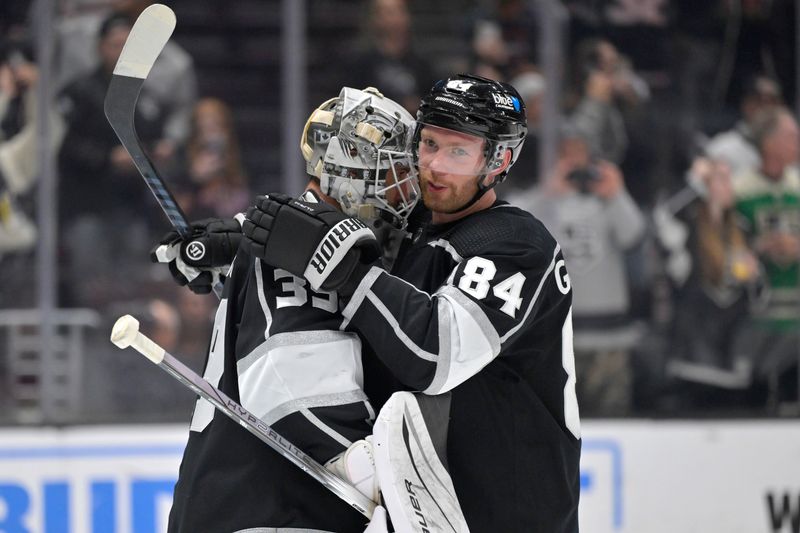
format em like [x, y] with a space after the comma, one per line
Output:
[675, 194]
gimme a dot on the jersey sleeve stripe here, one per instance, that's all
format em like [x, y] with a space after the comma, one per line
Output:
[473, 342]
[532, 303]
[401, 335]
[262, 295]
[359, 295]
[338, 437]
[215, 367]
[476, 312]
[447, 247]
[463, 339]
[328, 400]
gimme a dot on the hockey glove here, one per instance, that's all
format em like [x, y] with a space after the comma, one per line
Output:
[310, 240]
[202, 261]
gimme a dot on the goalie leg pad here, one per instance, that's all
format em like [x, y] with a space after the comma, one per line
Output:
[412, 475]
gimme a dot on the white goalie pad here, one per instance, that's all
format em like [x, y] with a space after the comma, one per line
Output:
[378, 524]
[416, 487]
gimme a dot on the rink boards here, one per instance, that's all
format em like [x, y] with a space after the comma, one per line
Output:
[636, 477]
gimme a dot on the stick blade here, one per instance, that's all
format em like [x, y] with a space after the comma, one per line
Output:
[149, 35]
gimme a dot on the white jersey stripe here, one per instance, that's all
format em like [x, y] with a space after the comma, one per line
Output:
[290, 338]
[284, 373]
[359, 295]
[532, 303]
[328, 400]
[447, 247]
[262, 298]
[401, 335]
[470, 348]
[338, 437]
[203, 410]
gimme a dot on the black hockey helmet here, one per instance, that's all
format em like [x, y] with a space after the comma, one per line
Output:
[482, 107]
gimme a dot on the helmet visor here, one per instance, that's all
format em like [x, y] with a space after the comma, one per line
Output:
[445, 151]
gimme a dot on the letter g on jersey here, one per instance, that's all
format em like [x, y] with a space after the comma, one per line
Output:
[562, 278]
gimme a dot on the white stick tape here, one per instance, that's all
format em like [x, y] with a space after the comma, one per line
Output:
[148, 36]
[126, 333]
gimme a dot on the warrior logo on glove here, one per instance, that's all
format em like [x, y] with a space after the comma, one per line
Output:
[333, 241]
[195, 250]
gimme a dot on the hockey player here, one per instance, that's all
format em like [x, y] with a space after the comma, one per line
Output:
[277, 346]
[475, 312]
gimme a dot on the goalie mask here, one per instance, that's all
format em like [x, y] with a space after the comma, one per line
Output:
[359, 146]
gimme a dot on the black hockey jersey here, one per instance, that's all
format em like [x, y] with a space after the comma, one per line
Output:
[277, 349]
[482, 307]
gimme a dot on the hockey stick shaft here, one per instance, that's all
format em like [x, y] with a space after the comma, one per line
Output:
[126, 333]
[147, 38]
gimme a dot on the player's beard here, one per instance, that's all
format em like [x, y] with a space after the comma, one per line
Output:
[453, 198]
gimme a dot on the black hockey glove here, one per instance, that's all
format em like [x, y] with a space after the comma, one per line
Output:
[310, 240]
[202, 261]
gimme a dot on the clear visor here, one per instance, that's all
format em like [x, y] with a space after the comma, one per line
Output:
[445, 151]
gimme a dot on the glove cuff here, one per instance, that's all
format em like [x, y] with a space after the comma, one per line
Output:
[339, 240]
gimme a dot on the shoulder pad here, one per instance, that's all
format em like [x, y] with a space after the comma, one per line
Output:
[498, 226]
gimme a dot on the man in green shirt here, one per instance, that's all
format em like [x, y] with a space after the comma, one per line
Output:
[768, 198]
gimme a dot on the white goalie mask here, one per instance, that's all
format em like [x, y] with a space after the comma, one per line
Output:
[359, 146]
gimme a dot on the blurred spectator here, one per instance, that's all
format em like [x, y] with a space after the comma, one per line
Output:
[166, 324]
[386, 59]
[628, 24]
[604, 83]
[171, 84]
[695, 72]
[586, 207]
[768, 198]
[614, 113]
[100, 191]
[715, 275]
[764, 42]
[197, 316]
[530, 85]
[503, 39]
[736, 146]
[490, 55]
[19, 157]
[136, 388]
[216, 185]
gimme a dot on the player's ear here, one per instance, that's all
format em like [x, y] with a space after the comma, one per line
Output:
[503, 166]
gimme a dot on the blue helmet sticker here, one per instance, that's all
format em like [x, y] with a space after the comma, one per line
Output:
[505, 101]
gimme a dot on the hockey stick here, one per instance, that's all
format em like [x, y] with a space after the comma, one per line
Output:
[126, 333]
[147, 38]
